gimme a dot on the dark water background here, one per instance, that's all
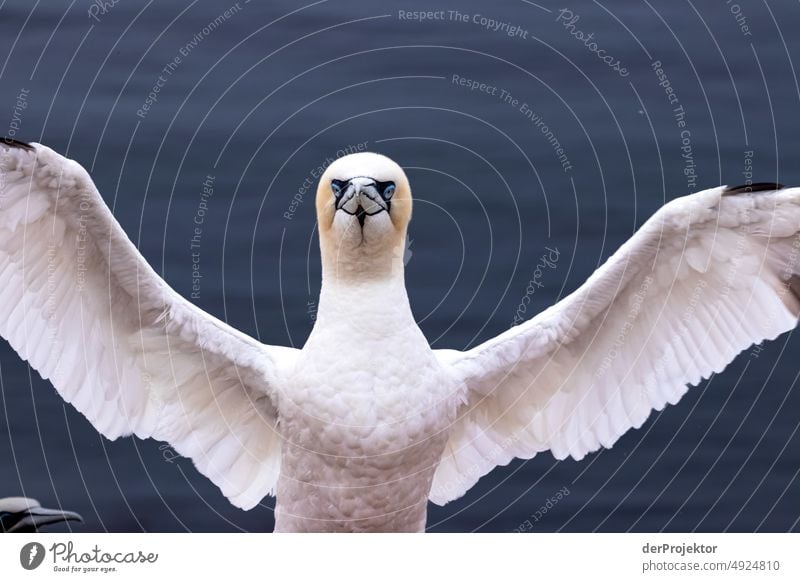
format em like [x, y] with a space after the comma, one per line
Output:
[276, 88]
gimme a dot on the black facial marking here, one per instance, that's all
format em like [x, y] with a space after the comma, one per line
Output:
[755, 187]
[338, 187]
[385, 189]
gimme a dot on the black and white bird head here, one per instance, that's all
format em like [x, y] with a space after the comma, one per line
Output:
[361, 186]
[25, 515]
[363, 210]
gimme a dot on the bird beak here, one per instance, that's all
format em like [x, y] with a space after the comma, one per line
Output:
[39, 517]
[361, 198]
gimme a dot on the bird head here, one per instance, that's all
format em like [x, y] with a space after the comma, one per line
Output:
[24, 515]
[363, 211]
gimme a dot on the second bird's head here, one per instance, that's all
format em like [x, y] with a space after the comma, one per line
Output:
[363, 209]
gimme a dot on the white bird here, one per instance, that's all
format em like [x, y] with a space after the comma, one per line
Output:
[26, 515]
[364, 424]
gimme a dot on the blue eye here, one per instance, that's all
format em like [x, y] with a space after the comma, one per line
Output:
[388, 191]
[337, 186]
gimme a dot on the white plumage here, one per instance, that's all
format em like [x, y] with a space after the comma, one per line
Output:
[706, 277]
[358, 439]
[86, 310]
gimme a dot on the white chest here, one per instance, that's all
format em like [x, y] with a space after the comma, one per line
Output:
[372, 394]
[364, 420]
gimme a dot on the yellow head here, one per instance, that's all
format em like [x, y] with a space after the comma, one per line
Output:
[363, 211]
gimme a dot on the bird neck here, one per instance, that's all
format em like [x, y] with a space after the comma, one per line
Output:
[356, 261]
[364, 281]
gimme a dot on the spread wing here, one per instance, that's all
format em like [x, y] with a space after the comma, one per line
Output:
[706, 277]
[84, 308]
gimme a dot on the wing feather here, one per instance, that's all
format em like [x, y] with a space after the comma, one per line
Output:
[82, 305]
[706, 277]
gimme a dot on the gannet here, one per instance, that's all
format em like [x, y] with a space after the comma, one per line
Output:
[361, 427]
[25, 515]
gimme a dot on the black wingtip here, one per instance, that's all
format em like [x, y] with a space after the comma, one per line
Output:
[14, 143]
[755, 187]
